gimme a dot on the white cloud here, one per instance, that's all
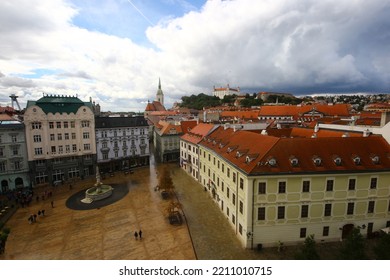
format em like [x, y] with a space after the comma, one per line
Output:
[294, 45]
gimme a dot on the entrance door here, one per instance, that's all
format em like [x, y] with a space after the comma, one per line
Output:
[347, 230]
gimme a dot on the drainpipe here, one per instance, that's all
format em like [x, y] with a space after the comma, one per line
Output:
[236, 201]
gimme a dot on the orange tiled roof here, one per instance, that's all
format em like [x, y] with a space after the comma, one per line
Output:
[290, 110]
[240, 114]
[196, 134]
[155, 106]
[257, 154]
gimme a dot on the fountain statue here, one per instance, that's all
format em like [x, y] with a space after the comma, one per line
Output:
[99, 191]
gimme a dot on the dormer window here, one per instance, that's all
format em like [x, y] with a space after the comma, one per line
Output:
[337, 160]
[248, 159]
[375, 159]
[238, 154]
[356, 160]
[317, 161]
[230, 149]
[294, 161]
[272, 161]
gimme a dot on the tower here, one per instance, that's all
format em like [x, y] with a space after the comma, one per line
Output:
[160, 95]
[14, 99]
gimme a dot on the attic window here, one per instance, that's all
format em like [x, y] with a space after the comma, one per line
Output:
[375, 159]
[272, 161]
[230, 149]
[248, 159]
[356, 160]
[337, 160]
[238, 154]
[294, 161]
[317, 161]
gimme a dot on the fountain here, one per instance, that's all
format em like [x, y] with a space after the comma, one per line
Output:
[99, 191]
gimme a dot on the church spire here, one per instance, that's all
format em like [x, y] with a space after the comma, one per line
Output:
[160, 95]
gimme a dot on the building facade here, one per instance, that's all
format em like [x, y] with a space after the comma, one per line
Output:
[283, 189]
[223, 91]
[60, 137]
[14, 171]
[122, 142]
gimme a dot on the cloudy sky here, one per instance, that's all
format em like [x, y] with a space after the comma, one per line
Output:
[114, 51]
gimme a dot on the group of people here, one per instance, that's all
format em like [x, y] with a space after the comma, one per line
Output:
[138, 234]
[33, 217]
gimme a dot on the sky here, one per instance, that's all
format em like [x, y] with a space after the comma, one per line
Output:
[115, 51]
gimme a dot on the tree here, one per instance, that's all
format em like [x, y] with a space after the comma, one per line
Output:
[308, 251]
[165, 183]
[382, 248]
[353, 247]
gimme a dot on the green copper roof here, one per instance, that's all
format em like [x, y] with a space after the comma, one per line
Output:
[59, 104]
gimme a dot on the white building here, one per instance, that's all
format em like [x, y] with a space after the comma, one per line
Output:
[60, 137]
[122, 142]
[223, 91]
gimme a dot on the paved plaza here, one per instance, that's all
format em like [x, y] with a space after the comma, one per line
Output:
[107, 233]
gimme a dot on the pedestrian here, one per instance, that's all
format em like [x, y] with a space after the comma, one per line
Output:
[35, 218]
[39, 212]
[140, 234]
[136, 235]
[43, 212]
[52, 204]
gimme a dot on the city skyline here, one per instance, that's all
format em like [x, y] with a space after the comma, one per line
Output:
[115, 51]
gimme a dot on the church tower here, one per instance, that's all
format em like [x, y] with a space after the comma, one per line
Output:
[160, 95]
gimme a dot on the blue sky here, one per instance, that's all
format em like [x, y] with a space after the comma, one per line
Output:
[115, 51]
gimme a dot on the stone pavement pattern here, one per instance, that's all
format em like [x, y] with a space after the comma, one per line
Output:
[100, 234]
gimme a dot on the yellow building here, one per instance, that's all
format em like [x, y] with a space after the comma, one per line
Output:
[283, 189]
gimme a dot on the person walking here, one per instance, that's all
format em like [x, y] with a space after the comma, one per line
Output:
[140, 234]
[52, 204]
[136, 235]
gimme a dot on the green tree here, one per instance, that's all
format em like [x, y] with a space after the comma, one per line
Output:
[353, 247]
[308, 251]
[382, 248]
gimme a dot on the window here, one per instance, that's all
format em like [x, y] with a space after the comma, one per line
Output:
[38, 151]
[305, 186]
[371, 207]
[2, 166]
[73, 135]
[85, 135]
[227, 192]
[36, 125]
[241, 183]
[282, 187]
[60, 150]
[227, 211]
[261, 213]
[304, 211]
[59, 136]
[240, 229]
[51, 125]
[74, 148]
[66, 124]
[351, 184]
[14, 139]
[329, 185]
[234, 199]
[262, 187]
[37, 138]
[233, 219]
[281, 210]
[72, 124]
[234, 177]
[52, 137]
[1, 151]
[373, 183]
[66, 136]
[15, 151]
[241, 207]
[84, 123]
[87, 147]
[302, 233]
[105, 155]
[325, 231]
[228, 172]
[350, 208]
[328, 210]
[53, 149]
[67, 149]
[58, 124]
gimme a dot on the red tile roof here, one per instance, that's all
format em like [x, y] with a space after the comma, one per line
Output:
[298, 111]
[253, 153]
[196, 134]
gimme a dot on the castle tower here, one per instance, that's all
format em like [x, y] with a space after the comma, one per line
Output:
[160, 95]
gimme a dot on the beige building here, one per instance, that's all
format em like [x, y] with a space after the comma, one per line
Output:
[283, 189]
[60, 137]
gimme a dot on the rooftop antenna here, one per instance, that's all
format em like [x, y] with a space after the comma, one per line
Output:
[14, 99]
